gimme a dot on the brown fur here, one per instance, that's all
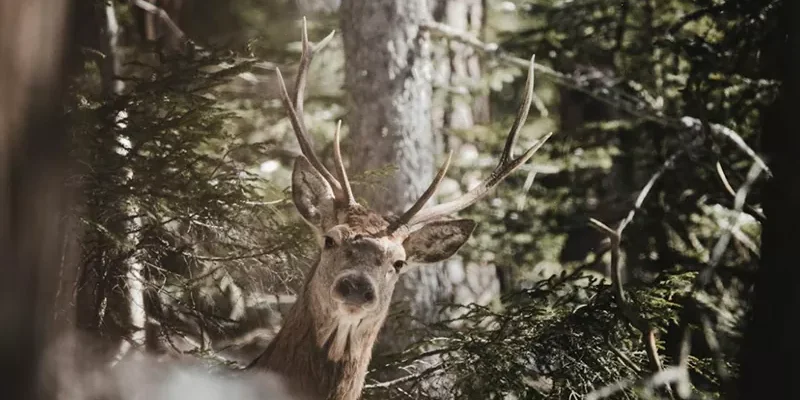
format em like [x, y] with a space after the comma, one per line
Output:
[295, 352]
[325, 344]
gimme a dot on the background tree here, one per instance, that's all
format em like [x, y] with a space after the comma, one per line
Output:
[395, 120]
[388, 70]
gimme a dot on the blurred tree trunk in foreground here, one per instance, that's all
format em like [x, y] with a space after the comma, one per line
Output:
[33, 165]
[771, 349]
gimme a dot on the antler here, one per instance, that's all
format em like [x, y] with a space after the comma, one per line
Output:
[347, 192]
[507, 164]
[294, 109]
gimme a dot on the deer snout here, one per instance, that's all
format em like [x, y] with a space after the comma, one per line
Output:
[355, 290]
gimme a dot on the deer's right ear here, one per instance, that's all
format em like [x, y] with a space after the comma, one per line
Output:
[311, 194]
[438, 241]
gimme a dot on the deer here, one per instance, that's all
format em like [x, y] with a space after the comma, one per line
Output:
[325, 344]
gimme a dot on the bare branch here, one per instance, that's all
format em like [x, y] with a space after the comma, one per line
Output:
[724, 179]
[615, 235]
[406, 378]
[669, 163]
[163, 15]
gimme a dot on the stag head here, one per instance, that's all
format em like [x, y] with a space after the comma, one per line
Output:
[363, 253]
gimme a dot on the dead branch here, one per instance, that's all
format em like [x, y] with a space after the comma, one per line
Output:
[628, 310]
[703, 279]
[394, 382]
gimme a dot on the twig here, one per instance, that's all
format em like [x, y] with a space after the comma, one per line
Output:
[625, 359]
[684, 386]
[713, 345]
[236, 257]
[704, 278]
[757, 214]
[648, 333]
[405, 378]
[724, 180]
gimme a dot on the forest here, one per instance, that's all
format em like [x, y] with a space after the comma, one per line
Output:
[399, 199]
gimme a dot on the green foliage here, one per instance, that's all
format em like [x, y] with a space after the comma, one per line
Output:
[168, 184]
[561, 338]
[172, 180]
[637, 74]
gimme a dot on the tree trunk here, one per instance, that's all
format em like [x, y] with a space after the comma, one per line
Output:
[770, 350]
[389, 74]
[458, 77]
[107, 314]
[33, 165]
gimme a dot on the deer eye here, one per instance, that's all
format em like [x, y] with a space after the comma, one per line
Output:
[329, 242]
[399, 265]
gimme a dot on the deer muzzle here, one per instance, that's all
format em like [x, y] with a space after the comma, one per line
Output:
[355, 291]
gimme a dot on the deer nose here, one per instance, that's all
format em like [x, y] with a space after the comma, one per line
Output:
[356, 290]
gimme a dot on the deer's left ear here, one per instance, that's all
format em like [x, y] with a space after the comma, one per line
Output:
[438, 241]
[312, 195]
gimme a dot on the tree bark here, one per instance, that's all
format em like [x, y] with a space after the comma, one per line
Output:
[389, 73]
[458, 75]
[770, 350]
[33, 165]
[388, 78]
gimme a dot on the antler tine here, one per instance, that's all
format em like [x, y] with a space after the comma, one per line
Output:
[522, 116]
[295, 110]
[347, 192]
[426, 195]
[302, 136]
[505, 166]
[306, 55]
[302, 71]
[500, 173]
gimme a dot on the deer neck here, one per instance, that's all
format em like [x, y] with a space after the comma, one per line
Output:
[307, 366]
